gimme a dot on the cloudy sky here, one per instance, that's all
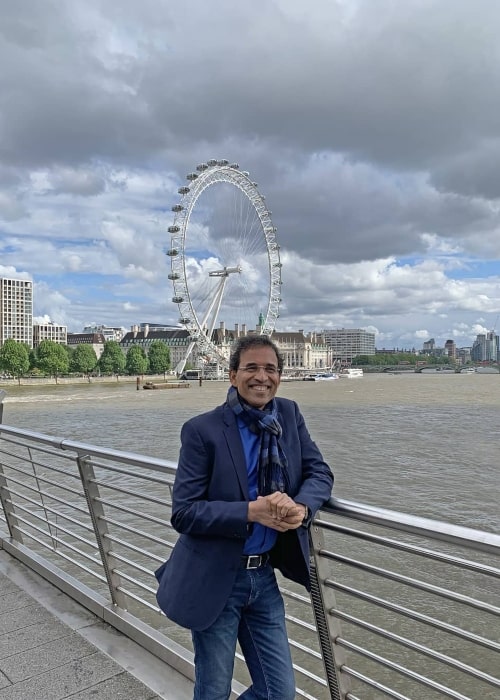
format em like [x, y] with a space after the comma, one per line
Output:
[371, 126]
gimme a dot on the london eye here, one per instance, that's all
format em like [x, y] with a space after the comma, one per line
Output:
[225, 261]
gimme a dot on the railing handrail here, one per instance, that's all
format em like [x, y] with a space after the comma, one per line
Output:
[376, 515]
[345, 567]
[414, 524]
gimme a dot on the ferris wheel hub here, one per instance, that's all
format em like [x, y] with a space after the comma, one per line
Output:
[225, 272]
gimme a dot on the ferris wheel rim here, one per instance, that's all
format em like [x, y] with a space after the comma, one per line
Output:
[208, 175]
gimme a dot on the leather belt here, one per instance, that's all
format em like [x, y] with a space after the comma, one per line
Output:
[254, 561]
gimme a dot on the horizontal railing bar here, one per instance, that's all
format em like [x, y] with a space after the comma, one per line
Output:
[55, 538]
[54, 524]
[302, 671]
[128, 528]
[309, 674]
[129, 492]
[39, 447]
[34, 460]
[420, 551]
[84, 449]
[305, 649]
[435, 529]
[414, 615]
[46, 508]
[420, 648]
[64, 556]
[423, 680]
[414, 583]
[131, 547]
[29, 487]
[138, 599]
[128, 472]
[123, 575]
[132, 511]
[132, 564]
[373, 684]
[301, 623]
[298, 597]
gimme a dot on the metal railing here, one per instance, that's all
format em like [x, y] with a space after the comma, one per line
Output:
[401, 606]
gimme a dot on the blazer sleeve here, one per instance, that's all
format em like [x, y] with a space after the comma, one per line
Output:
[315, 481]
[207, 498]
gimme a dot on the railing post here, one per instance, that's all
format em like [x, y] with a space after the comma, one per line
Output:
[8, 508]
[3, 394]
[328, 627]
[5, 493]
[97, 516]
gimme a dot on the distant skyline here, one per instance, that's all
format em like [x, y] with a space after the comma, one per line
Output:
[371, 128]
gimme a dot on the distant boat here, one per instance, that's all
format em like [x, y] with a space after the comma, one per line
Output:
[351, 373]
[321, 377]
[468, 370]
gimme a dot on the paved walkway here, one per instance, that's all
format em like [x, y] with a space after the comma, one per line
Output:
[51, 648]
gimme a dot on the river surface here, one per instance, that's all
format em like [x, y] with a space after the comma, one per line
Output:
[426, 444]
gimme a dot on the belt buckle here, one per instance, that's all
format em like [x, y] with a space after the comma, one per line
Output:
[254, 561]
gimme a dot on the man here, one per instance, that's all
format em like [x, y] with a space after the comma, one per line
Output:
[248, 483]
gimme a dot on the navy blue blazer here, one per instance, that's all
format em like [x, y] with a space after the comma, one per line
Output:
[210, 508]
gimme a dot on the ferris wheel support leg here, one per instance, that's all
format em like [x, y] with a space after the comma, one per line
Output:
[179, 367]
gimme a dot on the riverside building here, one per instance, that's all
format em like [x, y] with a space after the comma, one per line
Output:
[346, 343]
[16, 310]
[49, 331]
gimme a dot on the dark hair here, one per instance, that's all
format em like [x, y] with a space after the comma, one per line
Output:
[252, 341]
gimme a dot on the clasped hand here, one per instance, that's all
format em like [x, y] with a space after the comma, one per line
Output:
[277, 511]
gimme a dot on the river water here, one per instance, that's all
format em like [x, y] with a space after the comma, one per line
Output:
[426, 444]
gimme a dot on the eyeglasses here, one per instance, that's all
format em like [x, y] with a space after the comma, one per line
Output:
[252, 368]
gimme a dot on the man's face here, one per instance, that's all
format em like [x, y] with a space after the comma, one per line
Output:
[255, 385]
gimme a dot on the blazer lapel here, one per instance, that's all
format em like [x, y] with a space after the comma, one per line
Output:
[235, 447]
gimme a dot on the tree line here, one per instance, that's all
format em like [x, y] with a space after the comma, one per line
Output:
[400, 358]
[54, 360]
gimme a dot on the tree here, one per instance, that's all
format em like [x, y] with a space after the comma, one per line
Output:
[83, 359]
[52, 358]
[136, 362]
[112, 360]
[14, 358]
[159, 357]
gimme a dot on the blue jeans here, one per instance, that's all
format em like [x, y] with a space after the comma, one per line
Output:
[255, 616]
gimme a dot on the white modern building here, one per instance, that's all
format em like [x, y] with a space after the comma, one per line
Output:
[49, 331]
[346, 343]
[16, 310]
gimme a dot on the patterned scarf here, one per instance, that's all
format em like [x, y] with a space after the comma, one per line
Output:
[273, 474]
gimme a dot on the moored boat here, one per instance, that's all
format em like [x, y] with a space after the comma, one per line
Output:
[321, 377]
[351, 373]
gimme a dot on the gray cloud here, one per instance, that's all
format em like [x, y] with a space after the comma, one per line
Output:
[371, 128]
